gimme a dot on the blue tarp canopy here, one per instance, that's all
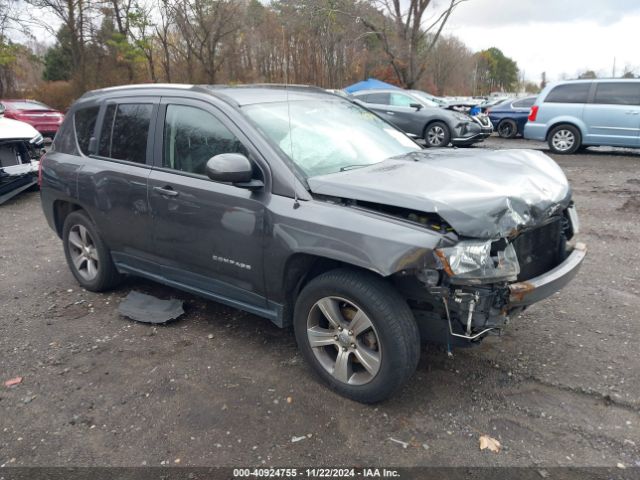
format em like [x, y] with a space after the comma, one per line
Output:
[369, 84]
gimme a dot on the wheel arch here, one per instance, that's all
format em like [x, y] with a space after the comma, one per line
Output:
[571, 121]
[436, 120]
[300, 268]
[61, 210]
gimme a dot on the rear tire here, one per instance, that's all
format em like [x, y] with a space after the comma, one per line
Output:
[507, 128]
[87, 256]
[357, 333]
[437, 134]
[564, 139]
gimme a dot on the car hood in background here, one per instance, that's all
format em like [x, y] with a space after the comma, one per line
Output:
[481, 194]
[14, 130]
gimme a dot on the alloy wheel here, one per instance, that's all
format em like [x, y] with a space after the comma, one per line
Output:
[435, 136]
[83, 252]
[344, 340]
[563, 140]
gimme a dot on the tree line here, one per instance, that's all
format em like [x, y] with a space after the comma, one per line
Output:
[329, 43]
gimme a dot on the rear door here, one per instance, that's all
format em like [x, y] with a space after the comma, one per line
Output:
[208, 235]
[613, 115]
[113, 184]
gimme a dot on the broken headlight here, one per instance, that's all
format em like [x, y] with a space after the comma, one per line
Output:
[471, 261]
[37, 140]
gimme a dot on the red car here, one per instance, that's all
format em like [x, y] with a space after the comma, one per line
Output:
[40, 116]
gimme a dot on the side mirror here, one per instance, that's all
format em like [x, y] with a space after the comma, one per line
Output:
[417, 106]
[232, 168]
[2, 109]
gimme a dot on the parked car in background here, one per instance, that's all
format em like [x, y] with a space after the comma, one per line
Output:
[416, 114]
[510, 116]
[490, 102]
[307, 209]
[20, 149]
[43, 118]
[580, 113]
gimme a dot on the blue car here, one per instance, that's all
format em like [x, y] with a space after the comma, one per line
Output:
[510, 116]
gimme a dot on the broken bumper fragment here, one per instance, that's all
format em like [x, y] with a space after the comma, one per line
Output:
[543, 286]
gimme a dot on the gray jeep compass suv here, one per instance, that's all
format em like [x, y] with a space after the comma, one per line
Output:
[310, 210]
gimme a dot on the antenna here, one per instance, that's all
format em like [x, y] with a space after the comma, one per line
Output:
[296, 203]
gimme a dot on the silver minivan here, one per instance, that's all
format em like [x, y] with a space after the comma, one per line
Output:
[580, 113]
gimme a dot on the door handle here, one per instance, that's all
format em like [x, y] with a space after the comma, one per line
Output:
[166, 191]
[390, 113]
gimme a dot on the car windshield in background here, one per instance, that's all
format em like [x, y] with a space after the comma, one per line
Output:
[330, 135]
[428, 102]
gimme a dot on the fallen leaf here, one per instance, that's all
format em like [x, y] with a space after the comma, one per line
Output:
[491, 443]
[13, 381]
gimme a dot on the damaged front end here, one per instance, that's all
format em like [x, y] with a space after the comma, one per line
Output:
[19, 162]
[485, 282]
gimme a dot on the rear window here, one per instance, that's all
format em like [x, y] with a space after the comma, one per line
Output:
[125, 129]
[26, 105]
[85, 122]
[618, 93]
[569, 93]
[524, 103]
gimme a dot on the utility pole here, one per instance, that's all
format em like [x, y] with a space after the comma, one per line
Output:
[613, 73]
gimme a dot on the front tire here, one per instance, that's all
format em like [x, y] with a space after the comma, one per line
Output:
[87, 256]
[564, 139]
[437, 134]
[507, 128]
[357, 333]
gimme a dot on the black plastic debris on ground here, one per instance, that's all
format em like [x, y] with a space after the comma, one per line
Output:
[148, 309]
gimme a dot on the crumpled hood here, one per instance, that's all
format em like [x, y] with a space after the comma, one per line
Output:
[483, 194]
[14, 129]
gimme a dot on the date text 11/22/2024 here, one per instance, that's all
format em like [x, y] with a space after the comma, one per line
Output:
[287, 473]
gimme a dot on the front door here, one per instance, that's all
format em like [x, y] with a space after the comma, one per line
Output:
[208, 235]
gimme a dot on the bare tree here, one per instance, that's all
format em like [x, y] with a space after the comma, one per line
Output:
[406, 37]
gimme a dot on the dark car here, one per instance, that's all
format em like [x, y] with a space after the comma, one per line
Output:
[305, 208]
[415, 113]
[510, 116]
[43, 118]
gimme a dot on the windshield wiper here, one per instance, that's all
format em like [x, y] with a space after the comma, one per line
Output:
[356, 165]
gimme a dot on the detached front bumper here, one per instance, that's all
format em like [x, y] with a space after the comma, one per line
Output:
[472, 132]
[531, 291]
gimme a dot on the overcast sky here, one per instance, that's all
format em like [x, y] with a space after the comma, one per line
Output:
[560, 37]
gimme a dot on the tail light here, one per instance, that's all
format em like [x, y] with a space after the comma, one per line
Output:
[44, 155]
[533, 113]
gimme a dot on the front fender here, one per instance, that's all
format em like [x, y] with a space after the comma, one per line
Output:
[363, 239]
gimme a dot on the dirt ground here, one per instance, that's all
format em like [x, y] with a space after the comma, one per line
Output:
[222, 387]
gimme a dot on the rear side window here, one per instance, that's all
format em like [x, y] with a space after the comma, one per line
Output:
[525, 103]
[85, 122]
[569, 93]
[125, 129]
[65, 139]
[618, 93]
[379, 98]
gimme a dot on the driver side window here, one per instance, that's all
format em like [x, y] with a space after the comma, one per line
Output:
[401, 100]
[192, 136]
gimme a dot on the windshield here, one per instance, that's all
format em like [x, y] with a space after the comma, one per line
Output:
[328, 136]
[428, 100]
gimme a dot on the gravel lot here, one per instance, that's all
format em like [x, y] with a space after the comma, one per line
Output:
[221, 387]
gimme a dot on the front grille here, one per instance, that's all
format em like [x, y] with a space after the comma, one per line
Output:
[540, 249]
